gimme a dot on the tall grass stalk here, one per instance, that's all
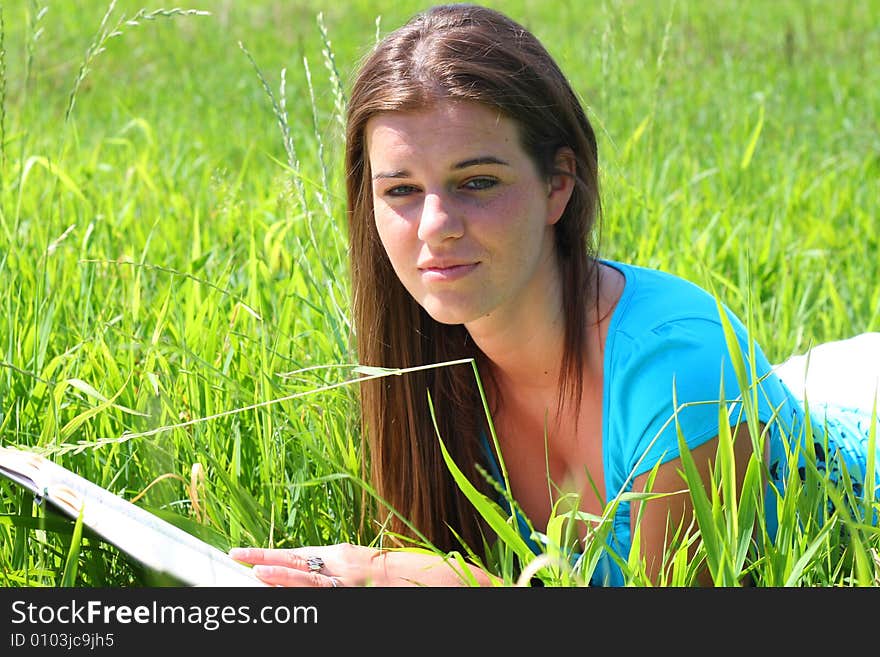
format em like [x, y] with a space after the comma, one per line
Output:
[105, 34]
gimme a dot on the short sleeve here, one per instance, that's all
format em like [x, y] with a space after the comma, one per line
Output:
[675, 377]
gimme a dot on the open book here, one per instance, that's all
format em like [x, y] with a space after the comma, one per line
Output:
[154, 542]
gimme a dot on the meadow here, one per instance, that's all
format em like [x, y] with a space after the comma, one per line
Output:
[173, 272]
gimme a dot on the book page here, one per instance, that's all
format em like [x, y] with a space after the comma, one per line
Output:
[154, 542]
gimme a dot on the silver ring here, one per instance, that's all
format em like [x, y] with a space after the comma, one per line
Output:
[315, 564]
[334, 582]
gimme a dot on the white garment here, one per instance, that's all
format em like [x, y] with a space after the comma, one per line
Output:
[843, 373]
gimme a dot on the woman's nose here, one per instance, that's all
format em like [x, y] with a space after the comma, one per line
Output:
[439, 220]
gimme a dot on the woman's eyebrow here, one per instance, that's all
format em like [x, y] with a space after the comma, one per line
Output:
[476, 161]
[402, 173]
[464, 164]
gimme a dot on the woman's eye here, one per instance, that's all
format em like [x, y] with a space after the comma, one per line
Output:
[480, 183]
[400, 190]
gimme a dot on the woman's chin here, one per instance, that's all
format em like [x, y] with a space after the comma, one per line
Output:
[446, 313]
[445, 317]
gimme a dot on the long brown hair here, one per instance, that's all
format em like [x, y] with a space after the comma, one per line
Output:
[470, 53]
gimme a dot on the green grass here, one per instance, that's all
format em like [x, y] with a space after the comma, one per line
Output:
[173, 275]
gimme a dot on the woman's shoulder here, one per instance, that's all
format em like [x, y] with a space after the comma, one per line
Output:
[654, 301]
[665, 326]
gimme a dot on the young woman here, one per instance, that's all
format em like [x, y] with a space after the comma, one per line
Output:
[472, 199]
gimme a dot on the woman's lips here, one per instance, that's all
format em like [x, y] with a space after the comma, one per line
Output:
[447, 273]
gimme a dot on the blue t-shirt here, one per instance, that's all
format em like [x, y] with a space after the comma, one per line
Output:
[666, 350]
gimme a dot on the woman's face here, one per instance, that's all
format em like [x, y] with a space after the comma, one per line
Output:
[463, 213]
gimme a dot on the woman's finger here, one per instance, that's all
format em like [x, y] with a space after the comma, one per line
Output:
[270, 557]
[282, 576]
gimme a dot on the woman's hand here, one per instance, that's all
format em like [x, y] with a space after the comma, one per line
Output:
[345, 564]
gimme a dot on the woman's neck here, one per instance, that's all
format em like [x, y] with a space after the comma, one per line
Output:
[525, 351]
[524, 344]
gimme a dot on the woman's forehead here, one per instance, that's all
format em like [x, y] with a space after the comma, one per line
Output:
[446, 127]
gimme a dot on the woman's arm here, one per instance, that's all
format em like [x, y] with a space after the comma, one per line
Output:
[662, 517]
[345, 564]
